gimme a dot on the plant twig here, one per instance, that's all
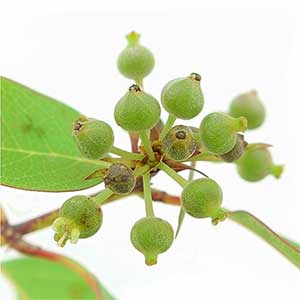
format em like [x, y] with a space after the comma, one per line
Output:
[164, 197]
[15, 232]
[3, 217]
[289, 249]
[134, 139]
[37, 223]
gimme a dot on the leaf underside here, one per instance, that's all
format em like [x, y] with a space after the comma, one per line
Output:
[289, 249]
[37, 278]
[37, 148]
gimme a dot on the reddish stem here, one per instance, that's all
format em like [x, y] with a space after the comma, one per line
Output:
[134, 139]
[3, 218]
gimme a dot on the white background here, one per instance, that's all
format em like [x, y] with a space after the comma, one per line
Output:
[68, 50]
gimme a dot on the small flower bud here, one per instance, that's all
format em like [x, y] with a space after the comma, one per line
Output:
[218, 132]
[94, 138]
[202, 198]
[152, 236]
[120, 179]
[79, 217]
[249, 106]
[179, 144]
[137, 110]
[237, 151]
[135, 61]
[256, 163]
[183, 97]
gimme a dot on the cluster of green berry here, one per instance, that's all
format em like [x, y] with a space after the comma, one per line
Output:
[218, 137]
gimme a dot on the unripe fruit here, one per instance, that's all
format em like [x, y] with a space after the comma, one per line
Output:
[179, 144]
[137, 110]
[135, 61]
[202, 198]
[94, 138]
[218, 132]
[120, 179]
[256, 164]
[79, 217]
[250, 106]
[183, 97]
[237, 151]
[152, 236]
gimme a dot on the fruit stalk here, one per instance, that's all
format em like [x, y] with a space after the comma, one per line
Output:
[147, 144]
[148, 195]
[126, 154]
[103, 196]
[173, 174]
[170, 121]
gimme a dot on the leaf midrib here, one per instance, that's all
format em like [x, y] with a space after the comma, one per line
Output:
[54, 154]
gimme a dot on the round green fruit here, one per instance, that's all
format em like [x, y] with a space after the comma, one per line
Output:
[135, 61]
[152, 236]
[179, 144]
[137, 110]
[256, 163]
[183, 97]
[218, 132]
[202, 198]
[237, 151]
[94, 138]
[79, 217]
[120, 179]
[251, 107]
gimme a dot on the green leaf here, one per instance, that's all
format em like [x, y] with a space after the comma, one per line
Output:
[296, 245]
[37, 278]
[180, 221]
[289, 249]
[37, 147]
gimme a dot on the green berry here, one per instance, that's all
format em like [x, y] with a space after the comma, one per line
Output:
[202, 198]
[183, 97]
[79, 217]
[179, 144]
[152, 236]
[237, 151]
[137, 110]
[250, 106]
[218, 132]
[256, 163]
[120, 179]
[135, 61]
[94, 138]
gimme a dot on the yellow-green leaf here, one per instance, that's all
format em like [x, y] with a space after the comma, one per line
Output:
[37, 278]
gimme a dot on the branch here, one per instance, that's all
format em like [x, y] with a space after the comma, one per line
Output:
[12, 233]
[289, 249]
[3, 225]
[164, 197]
[37, 223]
[43, 221]
[134, 140]
[3, 217]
